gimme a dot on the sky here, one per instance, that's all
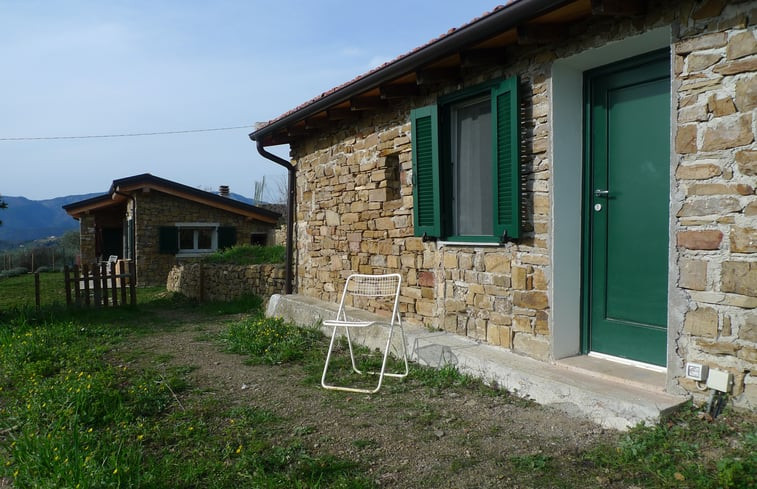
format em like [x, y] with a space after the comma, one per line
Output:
[92, 68]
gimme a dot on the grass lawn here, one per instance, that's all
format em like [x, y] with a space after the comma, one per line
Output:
[80, 409]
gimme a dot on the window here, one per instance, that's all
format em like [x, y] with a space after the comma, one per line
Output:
[466, 173]
[258, 239]
[197, 239]
[192, 238]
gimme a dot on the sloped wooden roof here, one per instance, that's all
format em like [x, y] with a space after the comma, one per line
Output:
[123, 188]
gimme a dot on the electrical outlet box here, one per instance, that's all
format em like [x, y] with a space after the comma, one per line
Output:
[719, 380]
[696, 371]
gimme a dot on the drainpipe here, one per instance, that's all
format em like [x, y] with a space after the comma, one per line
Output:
[290, 212]
[133, 249]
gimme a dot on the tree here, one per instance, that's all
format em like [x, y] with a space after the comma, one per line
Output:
[257, 197]
[70, 244]
[3, 205]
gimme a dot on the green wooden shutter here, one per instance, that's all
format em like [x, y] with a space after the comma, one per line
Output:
[506, 147]
[168, 241]
[426, 198]
[227, 237]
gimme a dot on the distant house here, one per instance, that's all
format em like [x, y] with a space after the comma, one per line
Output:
[560, 179]
[157, 222]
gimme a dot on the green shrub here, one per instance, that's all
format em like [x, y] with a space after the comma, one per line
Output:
[270, 340]
[248, 255]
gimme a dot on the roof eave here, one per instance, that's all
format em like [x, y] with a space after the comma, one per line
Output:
[498, 21]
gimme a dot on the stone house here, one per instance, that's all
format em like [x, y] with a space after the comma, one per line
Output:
[157, 223]
[556, 178]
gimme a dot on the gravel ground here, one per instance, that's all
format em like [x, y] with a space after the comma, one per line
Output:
[405, 438]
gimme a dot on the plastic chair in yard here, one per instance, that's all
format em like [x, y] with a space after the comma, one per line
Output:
[359, 289]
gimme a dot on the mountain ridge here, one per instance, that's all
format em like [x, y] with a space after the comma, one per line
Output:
[27, 220]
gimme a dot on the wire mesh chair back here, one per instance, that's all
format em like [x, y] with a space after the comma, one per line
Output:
[367, 288]
[373, 285]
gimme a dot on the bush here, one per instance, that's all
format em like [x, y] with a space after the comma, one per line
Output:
[43, 269]
[14, 272]
[248, 255]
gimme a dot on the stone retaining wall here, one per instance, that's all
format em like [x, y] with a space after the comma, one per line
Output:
[220, 282]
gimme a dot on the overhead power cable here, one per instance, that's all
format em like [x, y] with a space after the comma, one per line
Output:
[128, 135]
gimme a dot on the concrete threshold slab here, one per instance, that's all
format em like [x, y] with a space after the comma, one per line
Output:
[571, 386]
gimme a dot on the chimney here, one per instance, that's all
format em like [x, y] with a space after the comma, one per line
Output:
[223, 190]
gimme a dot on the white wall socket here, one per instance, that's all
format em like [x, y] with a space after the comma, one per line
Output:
[696, 371]
[719, 380]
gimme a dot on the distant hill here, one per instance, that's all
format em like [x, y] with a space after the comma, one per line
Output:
[26, 220]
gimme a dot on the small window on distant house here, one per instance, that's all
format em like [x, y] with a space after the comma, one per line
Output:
[258, 239]
[195, 238]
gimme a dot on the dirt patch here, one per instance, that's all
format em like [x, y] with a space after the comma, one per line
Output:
[406, 438]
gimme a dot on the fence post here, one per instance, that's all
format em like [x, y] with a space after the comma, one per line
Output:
[77, 284]
[67, 282]
[104, 283]
[96, 284]
[132, 290]
[114, 283]
[125, 280]
[36, 289]
[85, 277]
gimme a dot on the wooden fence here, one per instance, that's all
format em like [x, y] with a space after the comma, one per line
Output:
[101, 285]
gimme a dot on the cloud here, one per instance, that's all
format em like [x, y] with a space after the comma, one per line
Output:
[377, 61]
[352, 51]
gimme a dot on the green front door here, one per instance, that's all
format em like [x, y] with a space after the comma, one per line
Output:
[627, 192]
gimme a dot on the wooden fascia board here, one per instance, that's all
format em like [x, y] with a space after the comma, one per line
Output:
[93, 207]
[211, 203]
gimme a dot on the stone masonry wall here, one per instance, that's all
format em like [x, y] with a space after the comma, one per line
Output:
[355, 205]
[155, 209]
[715, 63]
[355, 213]
[217, 282]
[87, 248]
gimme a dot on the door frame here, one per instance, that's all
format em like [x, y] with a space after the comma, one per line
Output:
[587, 238]
[566, 153]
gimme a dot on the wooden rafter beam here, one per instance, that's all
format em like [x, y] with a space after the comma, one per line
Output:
[299, 130]
[618, 7]
[542, 33]
[399, 91]
[483, 57]
[366, 103]
[431, 76]
[316, 122]
[341, 114]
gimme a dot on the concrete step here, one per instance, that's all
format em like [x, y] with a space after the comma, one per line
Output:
[610, 396]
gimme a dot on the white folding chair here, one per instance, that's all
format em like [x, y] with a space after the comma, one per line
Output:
[371, 289]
